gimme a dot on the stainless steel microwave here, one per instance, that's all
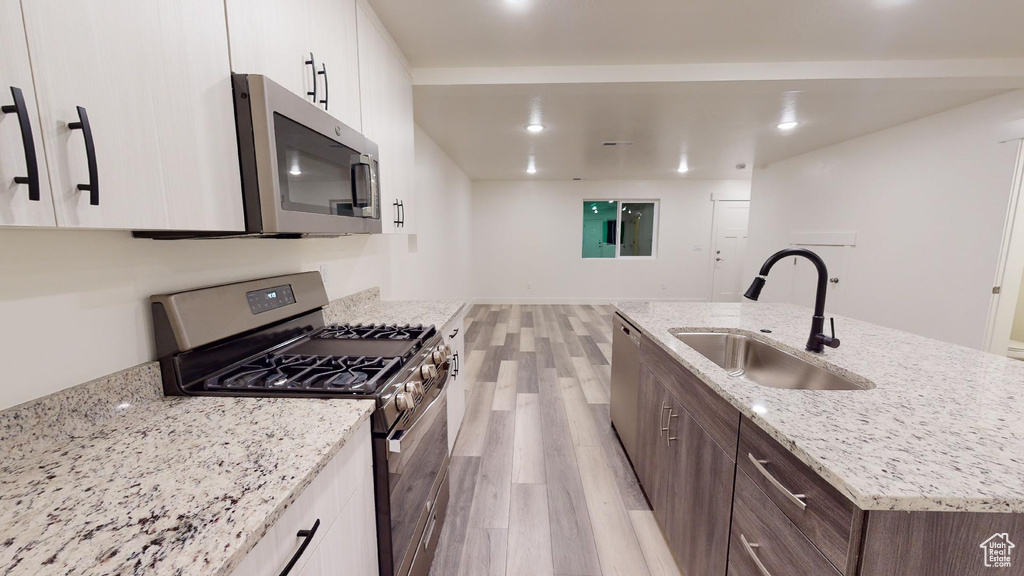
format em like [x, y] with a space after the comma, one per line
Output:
[304, 173]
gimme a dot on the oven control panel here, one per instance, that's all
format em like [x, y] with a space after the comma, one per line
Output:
[269, 299]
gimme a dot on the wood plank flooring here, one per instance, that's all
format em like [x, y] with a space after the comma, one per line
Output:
[541, 485]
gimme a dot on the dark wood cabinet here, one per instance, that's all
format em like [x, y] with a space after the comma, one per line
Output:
[699, 502]
[651, 460]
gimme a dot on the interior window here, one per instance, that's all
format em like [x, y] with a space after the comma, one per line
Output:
[617, 229]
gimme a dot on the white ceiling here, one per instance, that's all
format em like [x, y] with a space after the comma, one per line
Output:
[716, 124]
[442, 33]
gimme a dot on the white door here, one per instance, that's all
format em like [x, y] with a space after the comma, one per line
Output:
[154, 80]
[385, 89]
[729, 250]
[16, 208]
[274, 38]
[805, 276]
[336, 47]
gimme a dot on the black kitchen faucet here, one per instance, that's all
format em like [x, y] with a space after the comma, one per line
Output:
[817, 341]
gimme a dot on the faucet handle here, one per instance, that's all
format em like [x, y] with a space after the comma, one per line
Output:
[831, 341]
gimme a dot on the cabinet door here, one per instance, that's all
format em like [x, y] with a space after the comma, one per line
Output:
[154, 79]
[350, 545]
[16, 209]
[337, 50]
[385, 90]
[457, 381]
[700, 483]
[651, 461]
[274, 38]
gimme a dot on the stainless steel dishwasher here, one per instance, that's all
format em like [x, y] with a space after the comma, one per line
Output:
[625, 382]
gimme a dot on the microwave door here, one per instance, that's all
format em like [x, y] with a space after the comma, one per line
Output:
[364, 187]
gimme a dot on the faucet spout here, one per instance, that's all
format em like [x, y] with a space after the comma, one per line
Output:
[817, 341]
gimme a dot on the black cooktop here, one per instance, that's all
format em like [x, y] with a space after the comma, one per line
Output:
[339, 359]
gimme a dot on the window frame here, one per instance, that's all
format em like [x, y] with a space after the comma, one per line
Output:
[618, 226]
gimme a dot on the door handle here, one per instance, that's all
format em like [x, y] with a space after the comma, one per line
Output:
[664, 406]
[93, 187]
[717, 259]
[668, 428]
[327, 85]
[307, 537]
[27, 142]
[312, 64]
[798, 499]
[752, 552]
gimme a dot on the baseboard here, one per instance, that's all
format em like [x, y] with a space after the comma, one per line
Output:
[492, 300]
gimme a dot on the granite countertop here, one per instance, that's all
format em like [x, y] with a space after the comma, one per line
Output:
[173, 486]
[367, 308]
[111, 477]
[942, 430]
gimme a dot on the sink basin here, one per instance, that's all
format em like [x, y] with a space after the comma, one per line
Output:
[754, 361]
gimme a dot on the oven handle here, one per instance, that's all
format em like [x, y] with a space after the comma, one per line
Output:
[396, 437]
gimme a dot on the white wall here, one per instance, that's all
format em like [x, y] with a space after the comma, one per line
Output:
[434, 264]
[927, 200]
[530, 232]
[1017, 332]
[74, 304]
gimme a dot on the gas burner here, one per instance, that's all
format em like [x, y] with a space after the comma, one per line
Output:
[374, 332]
[299, 373]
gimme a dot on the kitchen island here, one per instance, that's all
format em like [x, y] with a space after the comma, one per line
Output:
[934, 435]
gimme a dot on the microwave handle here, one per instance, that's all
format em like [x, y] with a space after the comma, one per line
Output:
[366, 164]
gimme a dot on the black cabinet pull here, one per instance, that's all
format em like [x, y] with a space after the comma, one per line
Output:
[307, 537]
[454, 334]
[401, 219]
[327, 84]
[398, 213]
[27, 142]
[312, 65]
[455, 367]
[93, 187]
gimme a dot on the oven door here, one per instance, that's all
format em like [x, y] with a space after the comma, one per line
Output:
[306, 172]
[417, 464]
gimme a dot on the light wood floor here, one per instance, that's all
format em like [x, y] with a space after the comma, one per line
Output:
[539, 483]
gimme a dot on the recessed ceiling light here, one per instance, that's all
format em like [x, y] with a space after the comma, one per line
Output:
[786, 126]
[531, 170]
[295, 171]
[683, 169]
[611, 201]
[535, 127]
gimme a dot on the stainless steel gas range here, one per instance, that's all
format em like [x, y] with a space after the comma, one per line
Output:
[268, 337]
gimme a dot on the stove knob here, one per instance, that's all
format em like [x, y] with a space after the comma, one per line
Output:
[428, 371]
[442, 353]
[404, 402]
[415, 388]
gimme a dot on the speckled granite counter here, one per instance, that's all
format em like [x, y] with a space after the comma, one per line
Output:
[169, 486]
[943, 429]
[366, 307]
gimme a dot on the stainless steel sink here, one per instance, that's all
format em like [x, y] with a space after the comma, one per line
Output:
[760, 363]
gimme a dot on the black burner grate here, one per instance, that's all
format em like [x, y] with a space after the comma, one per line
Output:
[298, 373]
[374, 332]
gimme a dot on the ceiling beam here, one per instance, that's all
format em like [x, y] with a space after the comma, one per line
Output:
[1006, 68]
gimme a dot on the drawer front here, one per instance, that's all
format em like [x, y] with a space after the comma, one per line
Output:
[711, 411]
[765, 543]
[322, 500]
[824, 515]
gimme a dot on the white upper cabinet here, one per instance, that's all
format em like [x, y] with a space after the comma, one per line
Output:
[307, 46]
[152, 79]
[385, 89]
[20, 140]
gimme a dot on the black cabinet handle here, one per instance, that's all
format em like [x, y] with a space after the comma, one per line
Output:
[307, 536]
[93, 187]
[27, 142]
[398, 213]
[454, 334]
[401, 219]
[312, 64]
[455, 367]
[327, 84]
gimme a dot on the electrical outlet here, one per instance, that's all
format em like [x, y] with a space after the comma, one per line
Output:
[698, 247]
[326, 277]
